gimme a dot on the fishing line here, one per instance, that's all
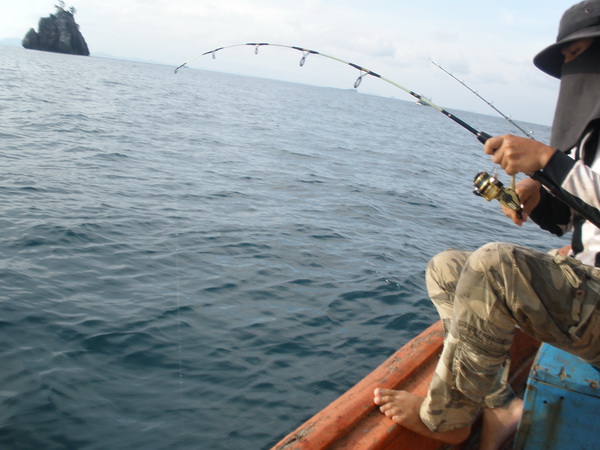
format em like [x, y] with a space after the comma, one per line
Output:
[512, 122]
[179, 330]
[585, 210]
[178, 298]
[513, 178]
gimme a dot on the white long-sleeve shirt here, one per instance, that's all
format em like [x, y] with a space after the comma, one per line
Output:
[579, 175]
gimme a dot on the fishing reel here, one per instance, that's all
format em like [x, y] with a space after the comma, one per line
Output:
[490, 187]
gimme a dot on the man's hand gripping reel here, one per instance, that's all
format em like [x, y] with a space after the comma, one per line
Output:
[490, 187]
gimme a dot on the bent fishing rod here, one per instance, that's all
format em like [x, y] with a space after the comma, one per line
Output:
[487, 186]
[363, 72]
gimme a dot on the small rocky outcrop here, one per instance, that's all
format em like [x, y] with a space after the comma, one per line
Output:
[57, 33]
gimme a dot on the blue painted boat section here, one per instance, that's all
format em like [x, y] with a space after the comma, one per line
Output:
[561, 404]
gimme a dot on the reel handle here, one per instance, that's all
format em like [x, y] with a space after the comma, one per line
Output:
[490, 187]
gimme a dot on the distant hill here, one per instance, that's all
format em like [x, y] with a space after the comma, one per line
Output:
[13, 42]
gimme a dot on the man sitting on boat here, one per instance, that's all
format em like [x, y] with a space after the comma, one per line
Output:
[482, 295]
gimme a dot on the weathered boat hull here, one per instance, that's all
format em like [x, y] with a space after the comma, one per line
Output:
[354, 422]
[561, 403]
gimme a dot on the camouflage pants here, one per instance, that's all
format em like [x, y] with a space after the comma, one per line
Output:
[481, 296]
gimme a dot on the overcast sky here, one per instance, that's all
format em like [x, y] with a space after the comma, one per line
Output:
[488, 44]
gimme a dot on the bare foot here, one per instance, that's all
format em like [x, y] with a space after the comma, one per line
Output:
[500, 423]
[565, 250]
[403, 408]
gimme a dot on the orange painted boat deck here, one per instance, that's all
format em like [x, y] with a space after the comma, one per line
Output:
[354, 422]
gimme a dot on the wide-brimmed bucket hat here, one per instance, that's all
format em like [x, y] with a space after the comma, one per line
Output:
[580, 21]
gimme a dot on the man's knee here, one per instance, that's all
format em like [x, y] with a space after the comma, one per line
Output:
[442, 274]
[492, 257]
[446, 266]
[486, 284]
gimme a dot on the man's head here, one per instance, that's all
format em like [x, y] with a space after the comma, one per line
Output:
[580, 23]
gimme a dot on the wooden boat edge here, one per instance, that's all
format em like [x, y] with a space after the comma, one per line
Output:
[353, 421]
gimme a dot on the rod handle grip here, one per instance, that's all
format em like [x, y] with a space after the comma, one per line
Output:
[482, 136]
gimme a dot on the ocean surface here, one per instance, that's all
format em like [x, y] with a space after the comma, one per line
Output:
[203, 260]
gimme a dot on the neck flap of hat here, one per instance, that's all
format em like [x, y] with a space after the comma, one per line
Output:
[579, 98]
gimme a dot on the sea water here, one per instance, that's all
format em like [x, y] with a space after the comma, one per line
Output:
[205, 260]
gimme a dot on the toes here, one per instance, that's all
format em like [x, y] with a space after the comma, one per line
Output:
[376, 397]
[384, 408]
[381, 392]
[395, 415]
[396, 419]
[393, 404]
[382, 396]
[387, 411]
